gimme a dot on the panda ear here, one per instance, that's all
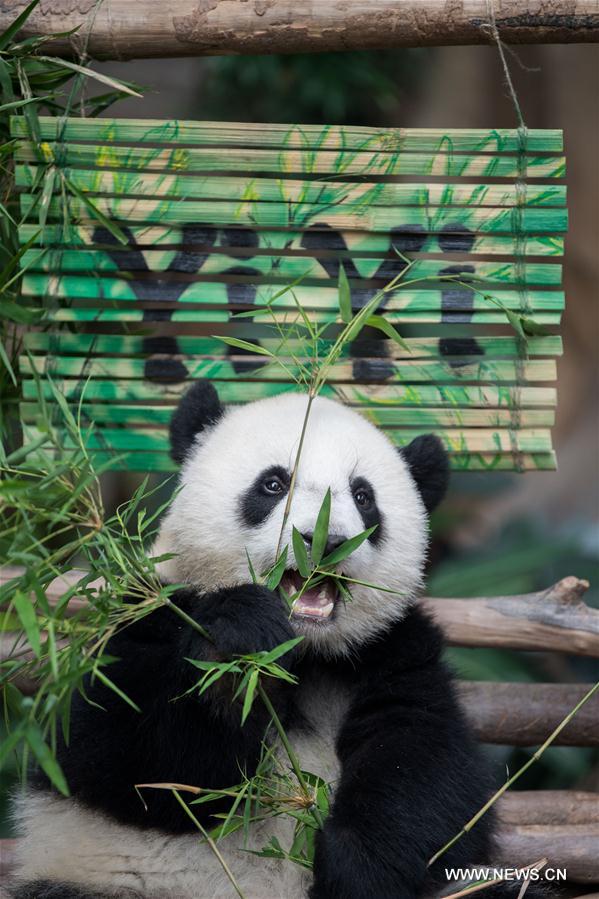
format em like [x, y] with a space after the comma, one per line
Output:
[199, 407]
[429, 466]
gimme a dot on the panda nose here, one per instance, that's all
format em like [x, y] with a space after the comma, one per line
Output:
[333, 541]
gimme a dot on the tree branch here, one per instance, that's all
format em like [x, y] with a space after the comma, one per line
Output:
[525, 714]
[556, 619]
[128, 29]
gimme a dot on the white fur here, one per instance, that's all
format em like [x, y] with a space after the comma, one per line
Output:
[67, 842]
[205, 530]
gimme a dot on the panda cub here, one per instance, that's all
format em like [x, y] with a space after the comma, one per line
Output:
[374, 710]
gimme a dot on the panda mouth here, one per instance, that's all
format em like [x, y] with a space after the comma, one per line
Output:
[314, 604]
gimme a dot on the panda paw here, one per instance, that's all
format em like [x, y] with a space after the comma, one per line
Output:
[247, 619]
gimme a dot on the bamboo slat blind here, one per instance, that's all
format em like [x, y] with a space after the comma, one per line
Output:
[221, 217]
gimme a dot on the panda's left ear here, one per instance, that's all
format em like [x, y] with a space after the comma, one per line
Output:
[429, 466]
[199, 407]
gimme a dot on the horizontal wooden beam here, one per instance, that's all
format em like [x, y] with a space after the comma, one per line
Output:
[129, 29]
[556, 619]
[526, 714]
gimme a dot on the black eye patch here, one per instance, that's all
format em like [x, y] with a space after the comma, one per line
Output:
[365, 501]
[259, 500]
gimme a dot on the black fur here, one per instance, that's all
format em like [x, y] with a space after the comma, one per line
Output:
[191, 740]
[256, 504]
[199, 408]
[411, 775]
[429, 466]
[369, 513]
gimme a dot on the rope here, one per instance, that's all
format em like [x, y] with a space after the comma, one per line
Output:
[519, 234]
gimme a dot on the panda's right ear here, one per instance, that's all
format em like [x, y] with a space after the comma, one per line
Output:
[199, 407]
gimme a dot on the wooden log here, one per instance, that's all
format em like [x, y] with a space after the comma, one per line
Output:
[556, 619]
[573, 848]
[550, 807]
[128, 29]
[526, 714]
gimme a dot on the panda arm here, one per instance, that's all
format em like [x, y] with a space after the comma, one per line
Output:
[410, 775]
[196, 740]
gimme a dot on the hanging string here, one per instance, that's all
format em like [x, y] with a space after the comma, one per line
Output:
[519, 236]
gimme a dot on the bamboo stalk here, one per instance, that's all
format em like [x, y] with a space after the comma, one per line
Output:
[291, 241]
[291, 136]
[298, 161]
[251, 212]
[487, 462]
[485, 396]
[403, 370]
[289, 190]
[159, 416]
[171, 264]
[229, 290]
[223, 313]
[195, 347]
[456, 442]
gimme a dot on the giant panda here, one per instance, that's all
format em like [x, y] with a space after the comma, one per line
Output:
[374, 710]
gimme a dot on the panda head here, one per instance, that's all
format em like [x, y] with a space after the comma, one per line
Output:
[234, 485]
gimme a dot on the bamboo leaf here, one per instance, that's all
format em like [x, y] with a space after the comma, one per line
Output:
[277, 571]
[112, 686]
[252, 570]
[13, 29]
[96, 213]
[45, 758]
[244, 345]
[279, 650]
[533, 328]
[345, 309]
[381, 323]
[250, 695]
[26, 612]
[48, 188]
[15, 104]
[321, 529]
[90, 73]
[347, 548]
[301, 554]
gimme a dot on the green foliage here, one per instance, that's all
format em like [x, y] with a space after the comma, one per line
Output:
[320, 87]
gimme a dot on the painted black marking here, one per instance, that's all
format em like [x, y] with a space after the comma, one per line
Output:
[455, 299]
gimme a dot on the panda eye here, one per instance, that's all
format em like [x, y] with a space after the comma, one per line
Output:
[273, 486]
[362, 497]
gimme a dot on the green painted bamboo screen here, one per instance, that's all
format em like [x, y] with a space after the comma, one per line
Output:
[220, 217]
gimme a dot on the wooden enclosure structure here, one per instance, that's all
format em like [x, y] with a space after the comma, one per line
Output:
[220, 219]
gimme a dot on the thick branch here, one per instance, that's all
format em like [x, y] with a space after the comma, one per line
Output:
[127, 29]
[526, 714]
[555, 619]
